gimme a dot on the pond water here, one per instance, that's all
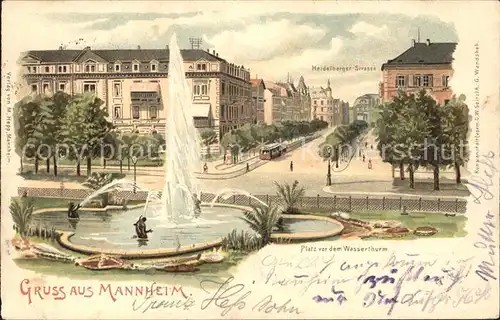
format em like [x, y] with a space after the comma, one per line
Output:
[115, 229]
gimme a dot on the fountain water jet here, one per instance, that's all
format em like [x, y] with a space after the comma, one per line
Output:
[183, 147]
[116, 185]
[228, 192]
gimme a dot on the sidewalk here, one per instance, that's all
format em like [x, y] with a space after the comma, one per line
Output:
[217, 170]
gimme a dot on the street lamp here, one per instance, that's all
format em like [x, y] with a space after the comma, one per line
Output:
[134, 160]
[329, 171]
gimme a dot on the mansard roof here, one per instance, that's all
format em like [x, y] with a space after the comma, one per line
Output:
[424, 53]
[122, 55]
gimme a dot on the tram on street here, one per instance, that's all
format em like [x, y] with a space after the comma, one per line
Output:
[272, 151]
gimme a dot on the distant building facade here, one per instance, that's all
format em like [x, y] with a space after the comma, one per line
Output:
[423, 66]
[258, 99]
[133, 83]
[283, 101]
[298, 101]
[276, 102]
[344, 107]
[327, 108]
[365, 108]
[322, 103]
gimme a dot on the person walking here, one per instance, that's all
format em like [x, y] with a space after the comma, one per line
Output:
[205, 168]
[291, 166]
[370, 164]
[364, 158]
[248, 167]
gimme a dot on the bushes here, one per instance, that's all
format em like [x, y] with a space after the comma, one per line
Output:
[42, 231]
[290, 195]
[21, 211]
[263, 221]
[98, 180]
[243, 241]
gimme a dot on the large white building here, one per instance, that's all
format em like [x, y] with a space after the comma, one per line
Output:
[364, 107]
[327, 108]
[132, 84]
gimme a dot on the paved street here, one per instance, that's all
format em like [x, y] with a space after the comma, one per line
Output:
[309, 169]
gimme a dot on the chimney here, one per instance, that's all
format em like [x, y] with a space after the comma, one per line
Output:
[87, 48]
[60, 47]
[413, 42]
[138, 47]
[166, 47]
[217, 54]
[428, 42]
[213, 52]
[208, 50]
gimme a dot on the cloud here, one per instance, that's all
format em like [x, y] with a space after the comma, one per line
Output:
[363, 28]
[265, 41]
[297, 64]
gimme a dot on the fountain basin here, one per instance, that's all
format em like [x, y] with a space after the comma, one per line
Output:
[310, 230]
[110, 231]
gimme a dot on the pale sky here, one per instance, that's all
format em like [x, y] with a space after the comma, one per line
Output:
[271, 44]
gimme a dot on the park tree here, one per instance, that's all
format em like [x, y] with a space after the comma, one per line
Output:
[25, 121]
[304, 128]
[359, 126]
[158, 140]
[86, 127]
[317, 125]
[247, 141]
[48, 129]
[410, 138]
[436, 139]
[128, 139]
[456, 127]
[289, 130]
[387, 126]
[208, 137]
